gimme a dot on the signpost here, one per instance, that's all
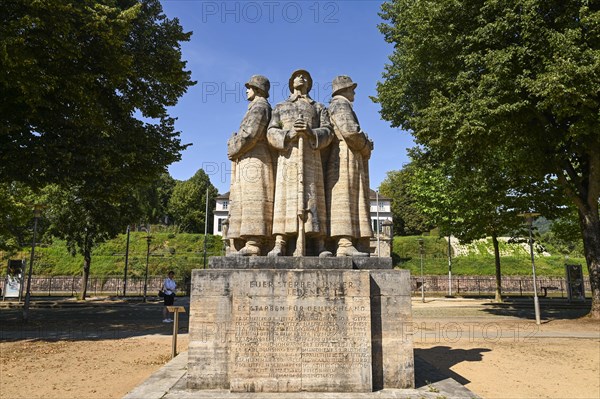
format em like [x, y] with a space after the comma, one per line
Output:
[13, 284]
[176, 310]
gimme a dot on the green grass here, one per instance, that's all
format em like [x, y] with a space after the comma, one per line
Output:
[514, 262]
[168, 251]
[183, 252]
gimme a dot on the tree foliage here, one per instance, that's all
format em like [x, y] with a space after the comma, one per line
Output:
[154, 200]
[84, 91]
[84, 221]
[187, 204]
[473, 202]
[75, 79]
[514, 80]
[565, 234]
[476, 201]
[408, 218]
[16, 213]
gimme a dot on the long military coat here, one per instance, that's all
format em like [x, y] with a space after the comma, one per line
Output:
[347, 178]
[252, 182]
[287, 201]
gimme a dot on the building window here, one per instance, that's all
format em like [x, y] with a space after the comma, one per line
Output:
[220, 224]
[381, 206]
[375, 225]
[225, 205]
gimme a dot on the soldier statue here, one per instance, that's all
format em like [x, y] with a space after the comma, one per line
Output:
[299, 131]
[252, 181]
[347, 180]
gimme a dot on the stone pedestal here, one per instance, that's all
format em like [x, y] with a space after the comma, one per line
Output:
[288, 330]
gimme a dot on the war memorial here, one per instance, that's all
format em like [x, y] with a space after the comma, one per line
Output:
[298, 304]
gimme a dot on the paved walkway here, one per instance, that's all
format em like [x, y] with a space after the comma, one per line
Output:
[113, 318]
[96, 318]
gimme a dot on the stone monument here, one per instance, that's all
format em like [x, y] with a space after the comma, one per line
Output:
[347, 183]
[252, 178]
[308, 322]
[299, 130]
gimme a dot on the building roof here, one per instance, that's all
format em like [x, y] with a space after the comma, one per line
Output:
[373, 196]
[223, 196]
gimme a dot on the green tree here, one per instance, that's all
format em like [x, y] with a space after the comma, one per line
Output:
[85, 221]
[408, 220]
[188, 203]
[470, 77]
[84, 91]
[154, 200]
[564, 232]
[476, 202]
[16, 212]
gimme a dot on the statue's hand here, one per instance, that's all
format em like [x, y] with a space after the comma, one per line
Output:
[300, 125]
[368, 148]
[303, 128]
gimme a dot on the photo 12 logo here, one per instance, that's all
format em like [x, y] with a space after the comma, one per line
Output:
[250, 172]
[452, 332]
[270, 11]
[235, 92]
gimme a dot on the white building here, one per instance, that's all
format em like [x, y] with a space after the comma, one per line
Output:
[384, 206]
[220, 213]
[385, 210]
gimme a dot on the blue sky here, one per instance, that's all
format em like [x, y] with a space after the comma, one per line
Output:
[233, 40]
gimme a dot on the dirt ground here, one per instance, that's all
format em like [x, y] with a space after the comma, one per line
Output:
[497, 354]
[80, 369]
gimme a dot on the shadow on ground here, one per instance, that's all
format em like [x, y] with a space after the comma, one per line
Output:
[550, 309]
[88, 322]
[434, 364]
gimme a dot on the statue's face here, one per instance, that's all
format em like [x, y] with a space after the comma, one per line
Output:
[300, 82]
[349, 94]
[250, 93]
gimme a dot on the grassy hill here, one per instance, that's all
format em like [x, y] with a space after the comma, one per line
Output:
[184, 252]
[478, 258]
[168, 251]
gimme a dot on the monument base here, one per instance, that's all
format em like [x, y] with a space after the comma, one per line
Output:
[306, 262]
[170, 382]
[290, 330]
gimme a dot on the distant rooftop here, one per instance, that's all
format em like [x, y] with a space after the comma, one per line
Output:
[373, 195]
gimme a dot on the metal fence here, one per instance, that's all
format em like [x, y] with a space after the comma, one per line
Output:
[472, 285]
[486, 285]
[98, 286]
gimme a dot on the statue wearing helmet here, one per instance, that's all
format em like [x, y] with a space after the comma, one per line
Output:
[252, 179]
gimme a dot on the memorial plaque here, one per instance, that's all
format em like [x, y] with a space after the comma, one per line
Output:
[283, 331]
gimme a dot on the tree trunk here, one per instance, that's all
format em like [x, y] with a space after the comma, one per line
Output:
[590, 229]
[87, 261]
[498, 274]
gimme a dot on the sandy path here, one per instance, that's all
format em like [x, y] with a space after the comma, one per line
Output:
[521, 362]
[80, 369]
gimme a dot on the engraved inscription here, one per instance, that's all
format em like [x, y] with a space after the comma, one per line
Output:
[283, 331]
[310, 339]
